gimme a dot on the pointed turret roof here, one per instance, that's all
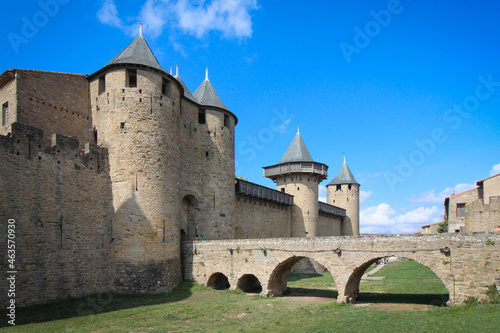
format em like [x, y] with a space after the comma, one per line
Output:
[207, 96]
[138, 53]
[344, 177]
[297, 151]
[187, 93]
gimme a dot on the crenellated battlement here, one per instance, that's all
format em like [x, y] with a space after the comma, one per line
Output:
[27, 141]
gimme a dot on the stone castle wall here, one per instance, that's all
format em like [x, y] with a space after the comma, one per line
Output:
[258, 218]
[54, 102]
[305, 210]
[8, 94]
[60, 201]
[347, 199]
[139, 126]
[329, 225]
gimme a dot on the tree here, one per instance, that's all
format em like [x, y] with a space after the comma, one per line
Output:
[443, 227]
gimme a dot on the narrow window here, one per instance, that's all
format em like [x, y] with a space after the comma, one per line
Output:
[122, 125]
[131, 78]
[202, 117]
[206, 153]
[461, 210]
[164, 87]
[5, 113]
[283, 190]
[349, 187]
[226, 120]
[102, 84]
[339, 187]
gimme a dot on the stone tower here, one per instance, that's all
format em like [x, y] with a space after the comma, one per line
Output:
[217, 124]
[135, 114]
[343, 192]
[297, 174]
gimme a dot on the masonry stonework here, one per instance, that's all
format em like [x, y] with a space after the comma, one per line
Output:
[467, 264]
[107, 175]
[57, 197]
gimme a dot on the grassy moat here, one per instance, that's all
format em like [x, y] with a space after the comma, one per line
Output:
[404, 301]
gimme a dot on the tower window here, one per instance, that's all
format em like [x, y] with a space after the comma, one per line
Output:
[283, 189]
[349, 187]
[131, 78]
[339, 187]
[102, 84]
[166, 88]
[206, 153]
[226, 120]
[122, 125]
[202, 117]
[5, 113]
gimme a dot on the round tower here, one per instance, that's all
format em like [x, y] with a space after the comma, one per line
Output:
[297, 174]
[343, 192]
[218, 122]
[135, 114]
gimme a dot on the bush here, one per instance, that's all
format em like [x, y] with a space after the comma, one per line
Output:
[493, 295]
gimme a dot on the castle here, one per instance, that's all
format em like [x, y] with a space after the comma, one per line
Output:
[138, 165]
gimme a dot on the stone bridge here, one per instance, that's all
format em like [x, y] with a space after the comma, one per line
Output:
[466, 263]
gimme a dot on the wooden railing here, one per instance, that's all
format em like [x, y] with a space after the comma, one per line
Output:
[330, 209]
[262, 192]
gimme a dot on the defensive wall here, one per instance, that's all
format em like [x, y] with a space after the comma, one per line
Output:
[59, 200]
[53, 102]
[467, 264]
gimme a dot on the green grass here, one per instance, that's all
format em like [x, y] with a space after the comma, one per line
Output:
[194, 308]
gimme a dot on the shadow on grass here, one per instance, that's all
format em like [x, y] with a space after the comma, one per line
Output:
[327, 293]
[432, 299]
[302, 276]
[98, 303]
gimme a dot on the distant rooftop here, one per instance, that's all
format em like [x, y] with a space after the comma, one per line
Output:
[344, 177]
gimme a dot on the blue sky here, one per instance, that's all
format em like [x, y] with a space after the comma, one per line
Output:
[409, 90]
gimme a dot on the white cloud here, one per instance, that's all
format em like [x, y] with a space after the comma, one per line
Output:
[495, 169]
[195, 17]
[431, 197]
[382, 219]
[363, 195]
[154, 15]
[108, 14]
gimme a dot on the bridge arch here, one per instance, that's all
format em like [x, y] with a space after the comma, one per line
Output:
[249, 283]
[350, 292]
[278, 279]
[218, 281]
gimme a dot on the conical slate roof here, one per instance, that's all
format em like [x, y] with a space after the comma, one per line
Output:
[139, 53]
[297, 151]
[344, 177]
[206, 95]
[187, 93]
